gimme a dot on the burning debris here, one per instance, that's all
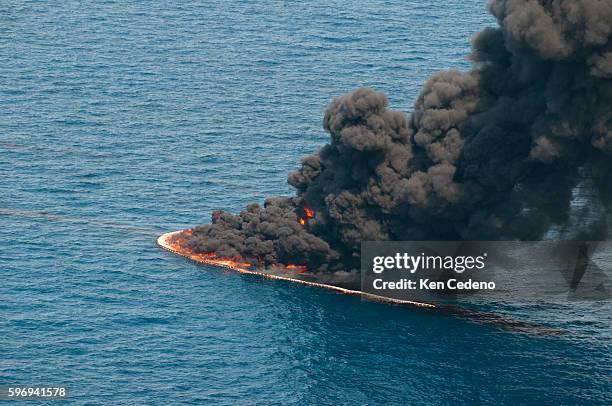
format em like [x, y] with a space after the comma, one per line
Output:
[174, 242]
[495, 153]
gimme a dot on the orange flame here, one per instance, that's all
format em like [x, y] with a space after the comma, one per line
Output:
[297, 268]
[309, 212]
[174, 242]
[178, 244]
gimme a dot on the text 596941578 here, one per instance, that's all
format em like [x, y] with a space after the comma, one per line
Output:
[16, 392]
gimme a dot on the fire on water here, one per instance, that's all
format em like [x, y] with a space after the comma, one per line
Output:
[172, 242]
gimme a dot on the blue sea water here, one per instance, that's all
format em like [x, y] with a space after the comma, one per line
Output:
[123, 120]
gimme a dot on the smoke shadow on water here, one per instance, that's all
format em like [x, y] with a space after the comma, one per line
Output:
[332, 335]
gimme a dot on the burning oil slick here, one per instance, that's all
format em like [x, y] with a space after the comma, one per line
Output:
[498, 152]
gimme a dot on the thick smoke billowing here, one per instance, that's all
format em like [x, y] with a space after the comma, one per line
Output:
[496, 153]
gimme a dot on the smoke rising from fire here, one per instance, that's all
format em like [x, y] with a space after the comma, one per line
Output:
[496, 153]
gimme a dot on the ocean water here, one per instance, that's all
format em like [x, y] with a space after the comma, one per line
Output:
[123, 120]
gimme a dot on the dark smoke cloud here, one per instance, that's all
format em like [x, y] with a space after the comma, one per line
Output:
[498, 152]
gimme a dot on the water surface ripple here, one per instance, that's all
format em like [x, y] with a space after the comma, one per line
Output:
[122, 120]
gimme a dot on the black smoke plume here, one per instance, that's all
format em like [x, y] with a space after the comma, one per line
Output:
[496, 153]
